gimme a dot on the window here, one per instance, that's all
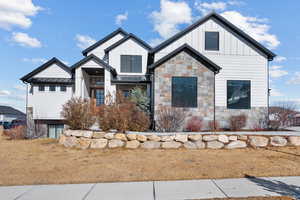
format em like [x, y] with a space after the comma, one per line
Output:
[238, 94]
[52, 88]
[99, 96]
[41, 88]
[55, 130]
[212, 41]
[63, 88]
[126, 93]
[184, 92]
[131, 63]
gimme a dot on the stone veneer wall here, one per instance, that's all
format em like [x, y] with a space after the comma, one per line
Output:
[102, 140]
[185, 65]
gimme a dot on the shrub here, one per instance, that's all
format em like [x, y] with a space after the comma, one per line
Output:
[122, 115]
[169, 119]
[237, 122]
[140, 98]
[214, 125]
[16, 133]
[274, 125]
[78, 114]
[194, 124]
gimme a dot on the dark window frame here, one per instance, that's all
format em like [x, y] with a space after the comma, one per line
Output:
[51, 86]
[41, 88]
[206, 37]
[247, 107]
[130, 63]
[63, 88]
[183, 103]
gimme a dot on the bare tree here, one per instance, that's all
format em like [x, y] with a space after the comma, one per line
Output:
[169, 119]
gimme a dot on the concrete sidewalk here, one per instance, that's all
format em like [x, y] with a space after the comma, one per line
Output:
[158, 190]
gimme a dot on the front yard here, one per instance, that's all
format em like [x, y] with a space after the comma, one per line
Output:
[43, 161]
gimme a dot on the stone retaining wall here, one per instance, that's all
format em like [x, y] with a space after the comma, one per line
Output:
[100, 140]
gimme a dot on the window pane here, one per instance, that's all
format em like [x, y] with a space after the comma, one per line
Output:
[184, 91]
[41, 88]
[51, 131]
[52, 88]
[137, 64]
[238, 94]
[212, 41]
[59, 130]
[131, 63]
[99, 95]
[63, 88]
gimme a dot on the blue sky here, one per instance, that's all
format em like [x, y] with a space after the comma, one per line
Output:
[31, 32]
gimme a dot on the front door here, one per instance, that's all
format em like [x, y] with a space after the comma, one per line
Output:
[98, 96]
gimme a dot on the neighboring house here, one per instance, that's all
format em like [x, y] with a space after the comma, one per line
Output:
[9, 114]
[212, 69]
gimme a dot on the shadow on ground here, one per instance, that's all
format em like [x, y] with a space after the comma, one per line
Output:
[278, 187]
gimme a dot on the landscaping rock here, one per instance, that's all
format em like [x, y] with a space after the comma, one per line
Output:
[243, 137]
[98, 135]
[87, 134]
[258, 141]
[133, 144]
[208, 138]
[236, 144]
[62, 139]
[76, 133]
[68, 132]
[294, 140]
[83, 143]
[70, 141]
[131, 136]
[223, 138]
[121, 136]
[171, 145]
[200, 144]
[115, 143]
[190, 145]
[278, 141]
[167, 138]
[141, 138]
[154, 138]
[151, 145]
[195, 137]
[109, 136]
[181, 138]
[99, 143]
[233, 138]
[215, 145]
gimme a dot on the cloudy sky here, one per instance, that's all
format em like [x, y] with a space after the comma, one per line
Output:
[32, 32]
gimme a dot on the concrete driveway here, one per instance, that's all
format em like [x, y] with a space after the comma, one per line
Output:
[158, 190]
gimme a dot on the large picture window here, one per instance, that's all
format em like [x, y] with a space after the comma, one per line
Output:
[212, 41]
[184, 92]
[131, 63]
[238, 94]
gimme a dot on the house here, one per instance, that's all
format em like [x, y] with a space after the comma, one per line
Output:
[9, 114]
[211, 69]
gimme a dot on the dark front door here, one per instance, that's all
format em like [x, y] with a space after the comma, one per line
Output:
[98, 96]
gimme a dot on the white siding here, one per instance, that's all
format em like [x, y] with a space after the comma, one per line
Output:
[130, 47]
[99, 51]
[238, 60]
[53, 71]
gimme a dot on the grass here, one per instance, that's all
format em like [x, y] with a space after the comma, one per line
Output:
[43, 161]
[256, 198]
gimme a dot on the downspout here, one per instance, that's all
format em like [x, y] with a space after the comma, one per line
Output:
[269, 92]
[215, 102]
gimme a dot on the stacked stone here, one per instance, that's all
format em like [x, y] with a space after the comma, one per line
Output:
[101, 140]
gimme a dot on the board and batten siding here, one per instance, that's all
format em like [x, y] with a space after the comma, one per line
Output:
[99, 51]
[53, 71]
[129, 47]
[238, 60]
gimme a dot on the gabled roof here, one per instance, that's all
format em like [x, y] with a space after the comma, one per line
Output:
[192, 52]
[106, 38]
[7, 110]
[129, 36]
[214, 15]
[44, 66]
[97, 60]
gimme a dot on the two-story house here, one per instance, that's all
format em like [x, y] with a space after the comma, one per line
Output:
[212, 69]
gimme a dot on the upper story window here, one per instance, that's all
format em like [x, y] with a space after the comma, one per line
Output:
[131, 63]
[41, 88]
[184, 92]
[63, 88]
[212, 41]
[238, 94]
[52, 88]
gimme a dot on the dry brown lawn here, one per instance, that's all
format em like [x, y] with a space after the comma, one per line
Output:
[43, 161]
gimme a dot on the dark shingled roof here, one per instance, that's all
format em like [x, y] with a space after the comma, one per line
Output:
[7, 110]
[51, 80]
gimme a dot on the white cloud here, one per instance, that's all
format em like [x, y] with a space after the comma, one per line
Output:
[255, 27]
[121, 18]
[277, 72]
[84, 41]
[205, 7]
[276, 93]
[34, 60]
[17, 13]
[23, 39]
[171, 15]
[4, 93]
[295, 80]
[280, 59]
[156, 41]
[20, 87]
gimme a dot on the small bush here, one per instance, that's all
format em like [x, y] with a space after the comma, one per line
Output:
[78, 114]
[194, 124]
[274, 125]
[16, 133]
[237, 122]
[169, 119]
[122, 115]
[140, 98]
[214, 125]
